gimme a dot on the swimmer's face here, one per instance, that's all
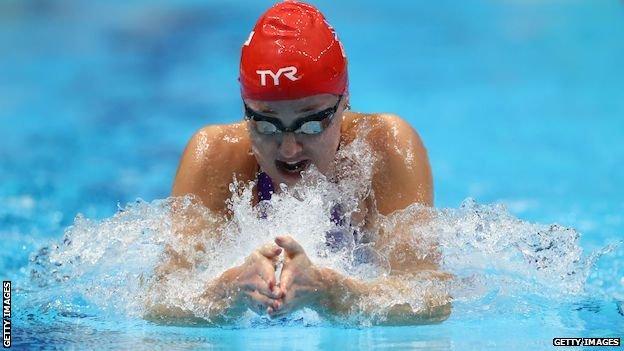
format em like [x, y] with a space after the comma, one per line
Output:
[283, 156]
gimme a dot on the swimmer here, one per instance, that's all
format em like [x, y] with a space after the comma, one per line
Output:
[294, 89]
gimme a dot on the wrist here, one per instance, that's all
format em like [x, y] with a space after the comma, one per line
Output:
[329, 288]
[327, 279]
[221, 296]
[224, 285]
[230, 280]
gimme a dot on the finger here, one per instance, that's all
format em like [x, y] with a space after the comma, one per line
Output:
[248, 286]
[286, 281]
[270, 251]
[277, 292]
[273, 289]
[267, 289]
[280, 309]
[276, 259]
[258, 302]
[262, 287]
[291, 247]
[267, 273]
[277, 314]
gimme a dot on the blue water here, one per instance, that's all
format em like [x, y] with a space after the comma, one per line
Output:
[518, 102]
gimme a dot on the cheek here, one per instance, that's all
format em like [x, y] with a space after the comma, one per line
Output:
[263, 149]
[332, 139]
[323, 148]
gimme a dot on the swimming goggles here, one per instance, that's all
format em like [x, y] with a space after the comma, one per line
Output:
[312, 124]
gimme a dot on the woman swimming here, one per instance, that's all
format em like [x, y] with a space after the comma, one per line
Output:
[294, 86]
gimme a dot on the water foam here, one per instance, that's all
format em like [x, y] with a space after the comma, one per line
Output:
[112, 264]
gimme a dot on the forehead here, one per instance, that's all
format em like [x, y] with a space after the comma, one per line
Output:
[306, 104]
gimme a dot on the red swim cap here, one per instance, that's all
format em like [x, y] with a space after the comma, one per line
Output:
[291, 53]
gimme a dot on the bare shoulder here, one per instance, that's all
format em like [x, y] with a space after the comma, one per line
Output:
[386, 132]
[212, 158]
[402, 171]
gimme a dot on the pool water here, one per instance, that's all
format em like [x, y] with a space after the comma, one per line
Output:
[520, 105]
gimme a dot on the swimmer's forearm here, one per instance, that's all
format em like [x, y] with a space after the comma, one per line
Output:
[214, 307]
[403, 314]
[219, 298]
[340, 293]
[345, 297]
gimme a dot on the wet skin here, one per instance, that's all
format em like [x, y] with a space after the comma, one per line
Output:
[401, 177]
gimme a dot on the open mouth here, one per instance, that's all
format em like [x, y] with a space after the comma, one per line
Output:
[293, 168]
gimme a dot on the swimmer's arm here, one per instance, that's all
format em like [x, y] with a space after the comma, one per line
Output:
[204, 178]
[164, 303]
[214, 306]
[402, 177]
[190, 221]
[346, 297]
[202, 171]
[251, 285]
[402, 173]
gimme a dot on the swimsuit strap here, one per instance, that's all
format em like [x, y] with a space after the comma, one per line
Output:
[264, 187]
[337, 216]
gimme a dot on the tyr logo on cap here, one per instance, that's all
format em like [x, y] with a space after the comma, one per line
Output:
[293, 44]
[288, 72]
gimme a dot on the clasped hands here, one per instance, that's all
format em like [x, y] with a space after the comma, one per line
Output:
[301, 283]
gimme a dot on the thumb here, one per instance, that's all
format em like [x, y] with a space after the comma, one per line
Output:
[290, 246]
[270, 251]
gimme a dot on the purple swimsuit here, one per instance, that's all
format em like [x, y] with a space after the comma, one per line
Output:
[336, 239]
[339, 238]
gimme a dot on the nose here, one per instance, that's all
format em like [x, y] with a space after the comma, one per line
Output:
[289, 147]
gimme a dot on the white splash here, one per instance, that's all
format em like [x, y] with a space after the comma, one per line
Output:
[113, 263]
